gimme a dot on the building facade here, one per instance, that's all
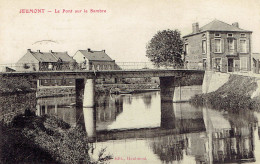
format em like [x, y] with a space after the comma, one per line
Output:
[45, 61]
[94, 60]
[218, 46]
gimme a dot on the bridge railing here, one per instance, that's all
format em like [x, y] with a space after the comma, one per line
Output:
[72, 66]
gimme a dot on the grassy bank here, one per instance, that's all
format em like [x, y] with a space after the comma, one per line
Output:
[47, 139]
[233, 95]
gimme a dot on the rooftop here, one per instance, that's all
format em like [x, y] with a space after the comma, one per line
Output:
[217, 25]
[96, 55]
[51, 56]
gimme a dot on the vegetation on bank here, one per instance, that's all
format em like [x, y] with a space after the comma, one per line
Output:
[45, 139]
[233, 95]
[15, 104]
[15, 84]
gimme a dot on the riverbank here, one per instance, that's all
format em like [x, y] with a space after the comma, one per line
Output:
[237, 93]
[46, 139]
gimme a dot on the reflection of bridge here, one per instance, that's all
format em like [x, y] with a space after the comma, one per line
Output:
[203, 133]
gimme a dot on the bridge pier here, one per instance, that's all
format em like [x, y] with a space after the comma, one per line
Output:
[89, 93]
[85, 92]
[90, 121]
[85, 97]
[167, 88]
[167, 116]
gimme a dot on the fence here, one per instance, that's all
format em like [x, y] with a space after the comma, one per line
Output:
[63, 66]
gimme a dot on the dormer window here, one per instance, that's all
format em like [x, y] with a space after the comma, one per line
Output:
[217, 35]
[242, 35]
[229, 35]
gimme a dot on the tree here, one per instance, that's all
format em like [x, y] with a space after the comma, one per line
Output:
[165, 49]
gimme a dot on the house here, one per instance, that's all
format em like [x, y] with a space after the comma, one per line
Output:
[47, 61]
[44, 61]
[218, 46]
[94, 60]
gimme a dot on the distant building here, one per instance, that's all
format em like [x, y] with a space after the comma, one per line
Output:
[47, 61]
[218, 46]
[44, 61]
[94, 60]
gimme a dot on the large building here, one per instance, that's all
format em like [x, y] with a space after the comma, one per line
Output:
[218, 46]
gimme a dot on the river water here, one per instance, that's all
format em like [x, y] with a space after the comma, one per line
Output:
[139, 128]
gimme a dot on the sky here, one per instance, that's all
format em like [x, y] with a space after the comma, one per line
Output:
[123, 31]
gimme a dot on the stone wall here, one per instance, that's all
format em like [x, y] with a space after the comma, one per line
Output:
[55, 91]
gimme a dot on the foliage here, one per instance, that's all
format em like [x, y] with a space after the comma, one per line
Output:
[15, 84]
[45, 139]
[14, 104]
[233, 95]
[166, 48]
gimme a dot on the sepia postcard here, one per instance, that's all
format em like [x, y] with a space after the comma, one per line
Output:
[130, 81]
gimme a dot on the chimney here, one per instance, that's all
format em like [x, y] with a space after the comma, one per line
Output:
[28, 50]
[195, 27]
[89, 50]
[50, 51]
[38, 51]
[235, 24]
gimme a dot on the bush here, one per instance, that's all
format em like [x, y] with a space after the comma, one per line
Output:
[52, 139]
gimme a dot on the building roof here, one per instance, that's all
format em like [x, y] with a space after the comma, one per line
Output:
[51, 56]
[96, 55]
[217, 25]
[44, 56]
[63, 56]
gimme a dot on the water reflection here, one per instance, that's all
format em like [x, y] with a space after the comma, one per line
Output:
[140, 125]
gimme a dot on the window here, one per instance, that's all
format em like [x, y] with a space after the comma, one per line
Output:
[204, 64]
[204, 46]
[243, 46]
[242, 35]
[243, 63]
[218, 64]
[50, 66]
[229, 35]
[217, 34]
[231, 45]
[217, 45]
[186, 49]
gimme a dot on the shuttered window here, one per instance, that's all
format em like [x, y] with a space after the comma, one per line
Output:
[217, 45]
[186, 49]
[243, 46]
[204, 47]
[231, 45]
